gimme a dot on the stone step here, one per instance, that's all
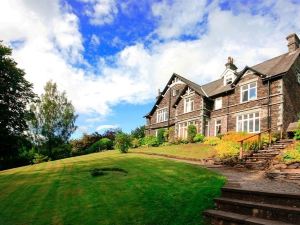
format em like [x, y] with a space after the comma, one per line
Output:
[272, 154]
[218, 217]
[260, 210]
[284, 199]
[257, 158]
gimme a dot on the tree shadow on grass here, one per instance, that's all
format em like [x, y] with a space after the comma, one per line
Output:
[106, 170]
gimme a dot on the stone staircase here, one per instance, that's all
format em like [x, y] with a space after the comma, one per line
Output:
[247, 207]
[262, 158]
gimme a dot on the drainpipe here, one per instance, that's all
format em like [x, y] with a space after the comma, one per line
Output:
[169, 111]
[227, 111]
[269, 106]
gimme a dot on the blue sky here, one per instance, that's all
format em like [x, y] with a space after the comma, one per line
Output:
[111, 56]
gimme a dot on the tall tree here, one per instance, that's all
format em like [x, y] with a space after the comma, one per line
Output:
[15, 95]
[53, 118]
[138, 132]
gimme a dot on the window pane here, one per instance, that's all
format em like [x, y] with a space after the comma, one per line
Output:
[245, 96]
[257, 114]
[256, 124]
[250, 125]
[245, 126]
[240, 126]
[250, 116]
[252, 85]
[252, 93]
[240, 118]
[245, 116]
[245, 87]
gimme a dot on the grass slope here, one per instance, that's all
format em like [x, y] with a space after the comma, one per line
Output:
[155, 191]
[195, 151]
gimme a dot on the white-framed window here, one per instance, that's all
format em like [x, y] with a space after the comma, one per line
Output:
[188, 105]
[218, 103]
[249, 92]
[162, 115]
[249, 122]
[218, 127]
[206, 127]
[183, 127]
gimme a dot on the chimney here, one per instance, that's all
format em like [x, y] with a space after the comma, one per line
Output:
[158, 94]
[293, 42]
[230, 64]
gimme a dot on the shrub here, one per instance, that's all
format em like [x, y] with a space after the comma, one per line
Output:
[212, 141]
[61, 151]
[102, 144]
[297, 132]
[292, 154]
[199, 138]
[161, 136]
[27, 155]
[171, 135]
[191, 133]
[122, 142]
[150, 141]
[227, 150]
[135, 143]
[39, 158]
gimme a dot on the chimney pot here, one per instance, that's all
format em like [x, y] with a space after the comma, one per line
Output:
[230, 64]
[293, 42]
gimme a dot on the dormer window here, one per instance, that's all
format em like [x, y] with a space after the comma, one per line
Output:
[229, 80]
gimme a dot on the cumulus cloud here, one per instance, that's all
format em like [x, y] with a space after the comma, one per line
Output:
[178, 17]
[95, 40]
[101, 11]
[106, 127]
[48, 45]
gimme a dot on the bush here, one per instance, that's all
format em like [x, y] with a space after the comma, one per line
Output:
[27, 155]
[161, 136]
[297, 132]
[292, 154]
[39, 158]
[212, 141]
[191, 133]
[199, 138]
[227, 150]
[150, 141]
[122, 142]
[135, 143]
[61, 151]
[102, 144]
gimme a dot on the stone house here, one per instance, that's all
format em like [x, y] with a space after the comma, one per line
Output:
[257, 98]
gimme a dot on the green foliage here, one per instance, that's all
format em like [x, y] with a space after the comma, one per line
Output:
[292, 154]
[212, 141]
[135, 143]
[161, 136]
[15, 94]
[53, 119]
[80, 146]
[27, 155]
[61, 151]
[122, 142]
[297, 132]
[199, 138]
[191, 133]
[39, 158]
[138, 132]
[150, 141]
[102, 144]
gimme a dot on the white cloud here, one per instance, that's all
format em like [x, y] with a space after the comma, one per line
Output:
[178, 17]
[50, 43]
[101, 11]
[95, 40]
[106, 127]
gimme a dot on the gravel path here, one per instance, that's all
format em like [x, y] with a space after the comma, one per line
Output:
[249, 179]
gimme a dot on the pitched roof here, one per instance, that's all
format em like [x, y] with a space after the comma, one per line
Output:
[269, 68]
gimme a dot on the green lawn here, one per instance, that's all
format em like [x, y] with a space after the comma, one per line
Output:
[154, 191]
[195, 151]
